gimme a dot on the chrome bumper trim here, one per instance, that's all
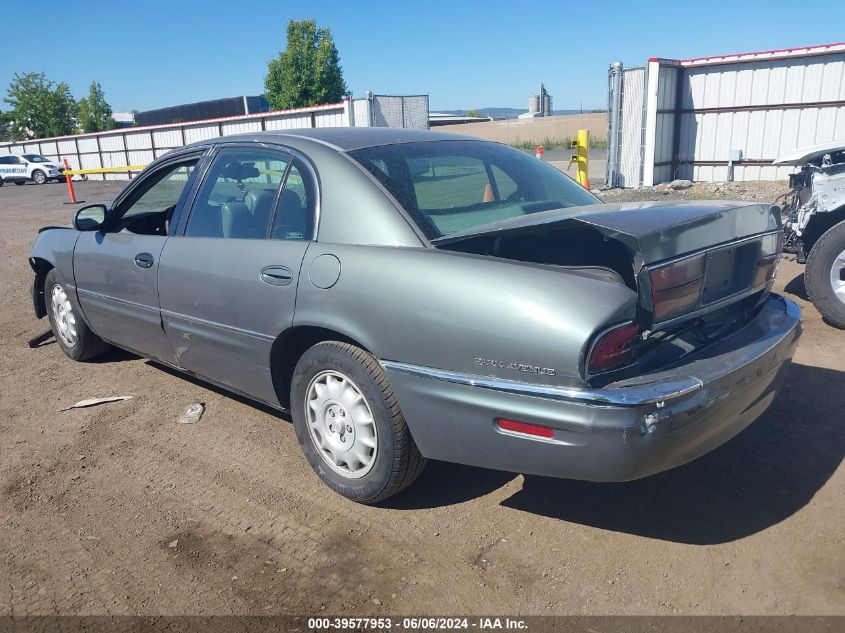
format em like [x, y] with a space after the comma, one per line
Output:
[622, 397]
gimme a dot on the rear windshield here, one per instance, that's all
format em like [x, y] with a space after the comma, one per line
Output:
[456, 186]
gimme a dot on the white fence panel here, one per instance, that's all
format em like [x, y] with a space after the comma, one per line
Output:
[241, 128]
[140, 157]
[288, 123]
[201, 133]
[112, 143]
[140, 146]
[167, 138]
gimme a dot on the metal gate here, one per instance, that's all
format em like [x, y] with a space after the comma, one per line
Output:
[626, 134]
[392, 111]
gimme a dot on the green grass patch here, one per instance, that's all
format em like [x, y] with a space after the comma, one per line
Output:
[555, 143]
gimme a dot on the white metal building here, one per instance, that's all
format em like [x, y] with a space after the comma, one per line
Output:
[702, 118]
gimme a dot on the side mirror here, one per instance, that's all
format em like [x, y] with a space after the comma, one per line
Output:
[90, 218]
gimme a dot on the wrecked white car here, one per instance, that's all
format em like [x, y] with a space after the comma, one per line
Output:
[814, 224]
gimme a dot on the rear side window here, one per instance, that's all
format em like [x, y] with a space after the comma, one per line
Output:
[294, 213]
[450, 187]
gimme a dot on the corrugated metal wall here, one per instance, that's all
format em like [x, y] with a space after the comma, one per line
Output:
[765, 109]
[764, 104]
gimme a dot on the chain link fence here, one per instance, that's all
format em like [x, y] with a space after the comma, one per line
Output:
[392, 111]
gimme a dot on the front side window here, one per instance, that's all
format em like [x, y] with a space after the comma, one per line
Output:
[149, 208]
[450, 187]
[164, 192]
[239, 194]
[36, 158]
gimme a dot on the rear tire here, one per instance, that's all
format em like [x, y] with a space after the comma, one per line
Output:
[349, 424]
[39, 177]
[72, 334]
[824, 276]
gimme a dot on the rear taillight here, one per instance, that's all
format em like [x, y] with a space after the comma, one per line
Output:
[613, 348]
[676, 287]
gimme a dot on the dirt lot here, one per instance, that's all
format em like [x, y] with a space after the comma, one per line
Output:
[119, 509]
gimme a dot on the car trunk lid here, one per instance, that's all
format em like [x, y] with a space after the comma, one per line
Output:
[723, 241]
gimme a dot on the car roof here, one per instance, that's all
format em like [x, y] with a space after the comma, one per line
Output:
[348, 138]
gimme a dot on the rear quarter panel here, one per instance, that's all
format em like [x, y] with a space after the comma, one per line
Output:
[445, 310]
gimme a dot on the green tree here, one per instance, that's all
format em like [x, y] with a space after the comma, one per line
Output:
[474, 112]
[5, 127]
[308, 71]
[93, 112]
[40, 108]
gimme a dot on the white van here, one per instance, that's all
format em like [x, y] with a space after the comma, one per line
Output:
[23, 168]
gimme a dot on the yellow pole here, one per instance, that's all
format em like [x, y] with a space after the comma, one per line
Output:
[582, 158]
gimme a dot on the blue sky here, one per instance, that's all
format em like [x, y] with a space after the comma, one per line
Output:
[464, 54]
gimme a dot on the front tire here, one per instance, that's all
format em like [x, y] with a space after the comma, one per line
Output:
[349, 424]
[72, 334]
[824, 276]
[39, 177]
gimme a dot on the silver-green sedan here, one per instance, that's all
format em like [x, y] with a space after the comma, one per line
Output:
[407, 295]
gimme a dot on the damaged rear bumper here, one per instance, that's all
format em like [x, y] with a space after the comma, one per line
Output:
[624, 431]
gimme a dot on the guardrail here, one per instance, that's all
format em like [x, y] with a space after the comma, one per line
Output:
[70, 173]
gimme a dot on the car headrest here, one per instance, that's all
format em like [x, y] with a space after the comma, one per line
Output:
[258, 200]
[290, 202]
[235, 219]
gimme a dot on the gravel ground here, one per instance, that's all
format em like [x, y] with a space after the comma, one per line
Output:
[757, 191]
[118, 509]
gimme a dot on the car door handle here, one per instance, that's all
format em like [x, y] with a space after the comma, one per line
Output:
[276, 275]
[143, 260]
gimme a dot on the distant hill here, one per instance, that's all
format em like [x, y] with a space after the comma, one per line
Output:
[509, 113]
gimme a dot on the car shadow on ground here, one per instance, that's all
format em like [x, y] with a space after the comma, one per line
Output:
[445, 484]
[797, 288]
[761, 477]
[114, 355]
[220, 390]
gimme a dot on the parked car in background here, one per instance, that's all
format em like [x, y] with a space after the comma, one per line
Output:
[815, 224]
[23, 168]
[408, 295]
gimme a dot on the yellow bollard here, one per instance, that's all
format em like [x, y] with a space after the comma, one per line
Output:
[581, 158]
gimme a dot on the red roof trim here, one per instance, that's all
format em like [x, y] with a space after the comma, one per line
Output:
[735, 57]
